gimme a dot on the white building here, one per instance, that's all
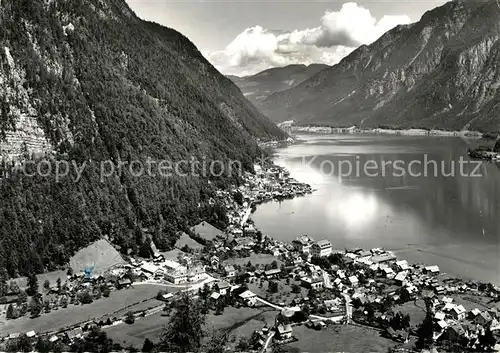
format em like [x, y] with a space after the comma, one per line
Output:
[322, 248]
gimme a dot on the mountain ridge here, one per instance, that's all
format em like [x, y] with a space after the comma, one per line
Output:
[259, 86]
[439, 72]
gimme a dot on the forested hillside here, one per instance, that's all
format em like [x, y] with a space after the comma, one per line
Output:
[88, 81]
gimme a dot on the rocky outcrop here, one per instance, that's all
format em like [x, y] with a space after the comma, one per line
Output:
[441, 72]
[22, 136]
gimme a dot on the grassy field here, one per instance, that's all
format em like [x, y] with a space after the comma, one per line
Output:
[186, 240]
[416, 312]
[284, 291]
[135, 334]
[260, 259]
[100, 254]
[61, 318]
[240, 322]
[50, 276]
[206, 231]
[339, 339]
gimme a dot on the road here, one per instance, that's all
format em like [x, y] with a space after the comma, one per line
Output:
[269, 338]
[348, 308]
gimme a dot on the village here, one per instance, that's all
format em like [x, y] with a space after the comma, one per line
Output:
[307, 283]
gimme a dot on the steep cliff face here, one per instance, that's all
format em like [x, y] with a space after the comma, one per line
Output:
[49, 52]
[86, 81]
[258, 87]
[441, 72]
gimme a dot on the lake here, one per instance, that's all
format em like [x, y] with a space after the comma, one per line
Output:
[419, 196]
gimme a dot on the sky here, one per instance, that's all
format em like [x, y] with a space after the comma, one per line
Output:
[243, 37]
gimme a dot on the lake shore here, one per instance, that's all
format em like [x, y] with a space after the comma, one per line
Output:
[470, 260]
[385, 131]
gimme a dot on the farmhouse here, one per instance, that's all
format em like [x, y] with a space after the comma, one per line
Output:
[248, 297]
[76, 333]
[284, 331]
[229, 271]
[432, 269]
[222, 287]
[272, 273]
[312, 282]
[482, 319]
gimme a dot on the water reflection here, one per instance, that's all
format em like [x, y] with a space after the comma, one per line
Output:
[459, 214]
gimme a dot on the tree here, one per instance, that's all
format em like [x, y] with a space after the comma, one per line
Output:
[14, 287]
[487, 341]
[3, 283]
[10, 312]
[296, 288]
[46, 284]
[217, 342]
[22, 298]
[59, 286]
[70, 271]
[32, 284]
[148, 345]
[243, 344]
[185, 331]
[238, 197]
[35, 307]
[219, 307]
[273, 287]
[497, 146]
[145, 248]
[21, 344]
[85, 298]
[425, 331]
[106, 292]
[274, 265]
[129, 318]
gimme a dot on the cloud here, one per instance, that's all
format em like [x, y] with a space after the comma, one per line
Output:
[338, 34]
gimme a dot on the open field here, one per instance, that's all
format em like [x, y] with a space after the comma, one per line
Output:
[172, 254]
[50, 276]
[75, 314]
[242, 320]
[416, 312]
[135, 334]
[186, 240]
[206, 231]
[100, 254]
[284, 293]
[260, 259]
[339, 339]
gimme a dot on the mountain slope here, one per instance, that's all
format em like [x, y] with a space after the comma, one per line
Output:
[441, 72]
[259, 86]
[88, 82]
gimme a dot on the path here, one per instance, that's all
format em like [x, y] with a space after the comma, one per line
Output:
[269, 338]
